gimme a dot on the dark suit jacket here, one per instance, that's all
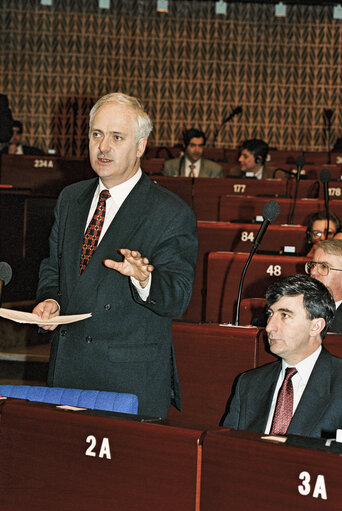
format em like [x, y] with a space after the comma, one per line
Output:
[176, 167]
[318, 414]
[336, 325]
[127, 344]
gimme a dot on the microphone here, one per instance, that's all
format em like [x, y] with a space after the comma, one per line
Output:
[5, 276]
[300, 162]
[325, 178]
[237, 110]
[270, 212]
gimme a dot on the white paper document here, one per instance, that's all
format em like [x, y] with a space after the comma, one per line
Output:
[34, 319]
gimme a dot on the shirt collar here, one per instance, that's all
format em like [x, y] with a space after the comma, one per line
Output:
[304, 367]
[119, 192]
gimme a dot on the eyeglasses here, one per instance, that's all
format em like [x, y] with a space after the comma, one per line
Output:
[322, 268]
[319, 234]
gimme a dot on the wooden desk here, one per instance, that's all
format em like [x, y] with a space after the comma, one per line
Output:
[235, 237]
[209, 358]
[57, 460]
[207, 192]
[181, 186]
[241, 471]
[42, 174]
[223, 278]
[246, 209]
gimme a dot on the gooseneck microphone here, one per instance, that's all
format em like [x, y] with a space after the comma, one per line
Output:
[325, 178]
[5, 276]
[236, 111]
[270, 212]
[300, 162]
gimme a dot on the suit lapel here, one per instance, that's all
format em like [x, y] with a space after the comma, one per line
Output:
[123, 227]
[73, 238]
[315, 398]
[259, 401]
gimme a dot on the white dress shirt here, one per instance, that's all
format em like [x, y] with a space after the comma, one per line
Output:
[118, 194]
[195, 171]
[299, 381]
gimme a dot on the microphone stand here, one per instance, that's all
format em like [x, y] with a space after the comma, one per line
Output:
[236, 111]
[270, 212]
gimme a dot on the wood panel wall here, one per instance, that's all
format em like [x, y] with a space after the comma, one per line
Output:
[190, 67]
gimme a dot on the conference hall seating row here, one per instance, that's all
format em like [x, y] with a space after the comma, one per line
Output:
[57, 459]
[63, 460]
[274, 156]
[205, 195]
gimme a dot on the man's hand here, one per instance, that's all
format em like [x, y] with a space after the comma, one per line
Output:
[133, 265]
[46, 310]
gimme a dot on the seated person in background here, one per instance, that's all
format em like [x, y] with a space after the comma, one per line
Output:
[326, 266]
[300, 310]
[6, 120]
[191, 162]
[252, 161]
[15, 144]
[317, 228]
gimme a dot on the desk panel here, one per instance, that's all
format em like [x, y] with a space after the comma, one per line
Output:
[236, 237]
[243, 472]
[58, 460]
[246, 209]
[224, 273]
[42, 174]
[209, 357]
[207, 192]
[181, 186]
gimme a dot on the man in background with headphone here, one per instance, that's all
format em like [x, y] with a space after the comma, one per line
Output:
[252, 161]
[191, 163]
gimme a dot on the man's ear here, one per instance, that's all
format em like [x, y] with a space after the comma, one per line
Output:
[318, 324]
[141, 147]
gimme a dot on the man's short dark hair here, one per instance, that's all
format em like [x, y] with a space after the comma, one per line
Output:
[19, 125]
[317, 299]
[258, 147]
[193, 133]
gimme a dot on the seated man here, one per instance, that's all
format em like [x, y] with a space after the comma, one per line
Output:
[326, 267]
[317, 229]
[15, 145]
[191, 162]
[300, 394]
[252, 161]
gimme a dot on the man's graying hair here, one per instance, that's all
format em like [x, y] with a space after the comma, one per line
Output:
[317, 299]
[144, 123]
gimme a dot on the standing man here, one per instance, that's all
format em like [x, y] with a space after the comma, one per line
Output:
[326, 266]
[139, 277]
[302, 393]
[191, 163]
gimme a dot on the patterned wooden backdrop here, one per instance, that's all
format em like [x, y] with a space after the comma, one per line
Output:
[190, 67]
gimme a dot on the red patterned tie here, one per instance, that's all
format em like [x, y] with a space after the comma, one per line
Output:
[284, 408]
[92, 234]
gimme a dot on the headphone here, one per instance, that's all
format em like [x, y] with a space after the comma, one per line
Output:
[259, 160]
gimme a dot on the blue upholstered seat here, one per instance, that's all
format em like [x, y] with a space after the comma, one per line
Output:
[92, 399]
